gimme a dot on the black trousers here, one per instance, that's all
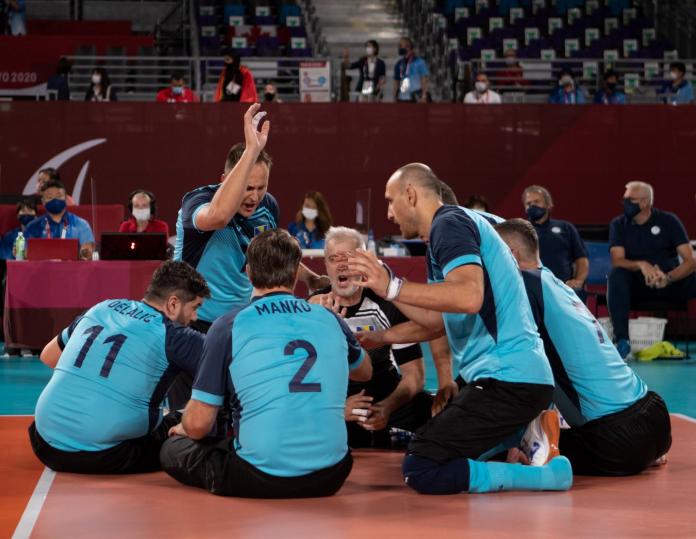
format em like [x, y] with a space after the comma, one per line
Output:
[130, 456]
[625, 285]
[624, 443]
[484, 414]
[215, 466]
[180, 391]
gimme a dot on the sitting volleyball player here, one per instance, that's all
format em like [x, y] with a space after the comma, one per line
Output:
[480, 295]
[394, 397]
[101, 410]
[618, 427]
[285, 364]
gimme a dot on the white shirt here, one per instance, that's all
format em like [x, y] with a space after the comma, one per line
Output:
[489, 97]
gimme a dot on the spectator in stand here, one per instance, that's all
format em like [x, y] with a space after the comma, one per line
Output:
[26, 213]
[482, 94]
[610, 94]
[651, 258]
[177, 92]
[679, 90]
[143, 207]
[236, 81]
[59, 81]
[513, 74]
[312, 222]
[567, 93]
[59, 223]
[46, 175]
[100, 88]
[410, 75]
[562, 250]
[373, 72]
[477, 202]
[270, 93]
[16, 17]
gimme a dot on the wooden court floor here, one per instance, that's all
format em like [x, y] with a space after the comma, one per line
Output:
[373, 503]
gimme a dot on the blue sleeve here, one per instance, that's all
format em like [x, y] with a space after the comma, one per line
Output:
[397, 71]
[192, 204]
[7, 244]
[455, 241]
[65, 335]
[677, 232]
[579, 97]
[423, 68]
[620, 99]
[688, 94]
[34, 229]
[84, 232]
[356, 354]
[184, 347]
[553, 98]
[211, 380]
[272, 204]
[577, 245]
[616, 234]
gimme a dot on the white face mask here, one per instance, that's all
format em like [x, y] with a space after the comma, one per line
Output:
[673, 75]
[481, 86]
[370, 51]
[96, 78]
[309, 213]
[565, 81]
[141, 215]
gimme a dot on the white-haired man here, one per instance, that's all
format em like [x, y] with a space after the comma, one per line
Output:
[394, 397]
[646, 245]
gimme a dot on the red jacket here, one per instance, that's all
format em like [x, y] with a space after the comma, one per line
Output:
[167, 96]
[248, 90]
[154, 225]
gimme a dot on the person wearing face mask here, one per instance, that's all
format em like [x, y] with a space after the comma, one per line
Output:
[177, 92]
[678, 90]
[100, 88]
[562, 250]
[482, 94]
[312, 221]
[101, 412]
[58, 223]
[512, 74]
[26, 213]
[236, 82]
[567, 92]
[373, 72]
[411, 75]
[610, 93]
[270, 94]
[394, 397]
[142, 205]
[651, 258]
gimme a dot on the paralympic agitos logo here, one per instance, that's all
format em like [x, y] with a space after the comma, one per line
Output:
[58, 160]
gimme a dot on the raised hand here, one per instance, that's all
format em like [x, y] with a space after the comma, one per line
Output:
[374, 274]
[253, 138]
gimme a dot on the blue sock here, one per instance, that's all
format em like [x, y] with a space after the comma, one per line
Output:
[496, 476]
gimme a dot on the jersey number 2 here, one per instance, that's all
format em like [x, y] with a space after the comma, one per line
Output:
[297, 385]
[93, 333]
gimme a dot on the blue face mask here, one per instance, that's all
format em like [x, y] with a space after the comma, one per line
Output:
[177, 90]
[631, 209]
[25, 219]
[55, 206]
[535, 213]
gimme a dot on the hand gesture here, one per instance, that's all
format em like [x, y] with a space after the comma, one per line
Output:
[253, 138]
[444, 395]
[177, 430]
[379, 418]
[374, 274]
[331, 302]
[357, 407]
[370, 340]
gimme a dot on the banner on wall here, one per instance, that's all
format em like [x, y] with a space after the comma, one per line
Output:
[315, 82]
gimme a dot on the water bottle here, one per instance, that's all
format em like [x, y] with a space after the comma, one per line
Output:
[371, 245]
[20, 247]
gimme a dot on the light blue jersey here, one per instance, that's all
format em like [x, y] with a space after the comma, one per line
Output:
[591, 378]
[285, 363]
[220, 255]
[500, 341]
[117, 362]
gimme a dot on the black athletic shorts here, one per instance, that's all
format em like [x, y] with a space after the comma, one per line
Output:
[215, 466]
[484, 413]
[179, 392]
[130, 456]
[623, 443]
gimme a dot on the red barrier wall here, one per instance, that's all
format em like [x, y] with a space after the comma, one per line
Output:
[583, 154]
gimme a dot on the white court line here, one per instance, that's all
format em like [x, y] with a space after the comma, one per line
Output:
[31, 513]
[685, 417]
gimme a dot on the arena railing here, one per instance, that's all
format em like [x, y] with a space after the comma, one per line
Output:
[139, 78]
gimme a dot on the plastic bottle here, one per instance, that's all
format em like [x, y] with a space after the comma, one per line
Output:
[20, 246]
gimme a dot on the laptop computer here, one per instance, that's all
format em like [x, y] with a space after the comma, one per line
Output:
[52, 249]
[126, 246]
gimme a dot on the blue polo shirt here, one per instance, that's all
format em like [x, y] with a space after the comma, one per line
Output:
[654, 241]
[682, 95]
[591, 379]
[7, 244]
[501, 340]
[413, 69]
[559, 246]
[616, 98]
[220, 255]
[306, 239]
[69, 227]
[284, 363]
